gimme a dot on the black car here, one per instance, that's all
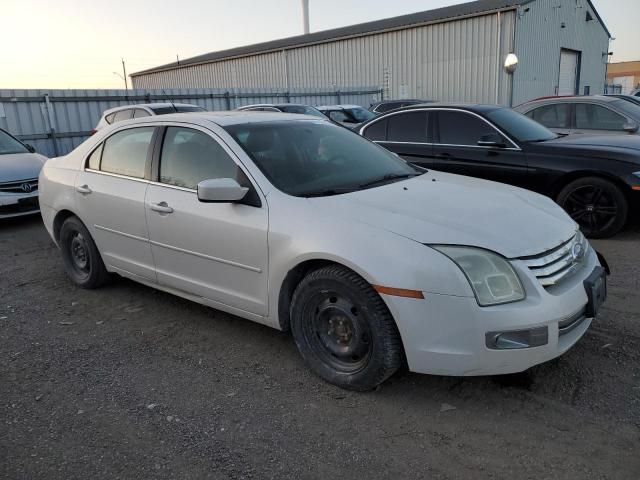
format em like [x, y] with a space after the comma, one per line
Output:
[388, 105]
[596, 179]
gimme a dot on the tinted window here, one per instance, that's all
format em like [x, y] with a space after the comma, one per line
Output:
[377, 130]
[189, 108]
[8, 145]
[139, 113]
[595, 117]
[520, 127]
[339, 117]
[385, 107]
[190, 156]
[316, 158]
[458, 128]
[123, 115]
[551, 116]
[125, 152]
[94, 158]
[408, 127]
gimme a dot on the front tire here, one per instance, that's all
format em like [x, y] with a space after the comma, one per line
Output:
[596, 204]
[343, 329]
[82, 260]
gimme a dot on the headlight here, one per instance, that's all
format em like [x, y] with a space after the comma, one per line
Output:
[491, 277]
[637, 174]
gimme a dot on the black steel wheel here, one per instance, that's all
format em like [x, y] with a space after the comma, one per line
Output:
[343, 329]
[82, 261]
[596, 204]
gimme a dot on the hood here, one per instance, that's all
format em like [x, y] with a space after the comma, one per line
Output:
[20, 166]
[441, 208]
[629, 142]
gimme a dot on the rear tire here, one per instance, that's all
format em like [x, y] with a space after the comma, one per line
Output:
[82, 260]
[343, 329]
[596, 204]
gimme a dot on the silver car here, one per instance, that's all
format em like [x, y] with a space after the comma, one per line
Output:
[597, 114]
[19, 170]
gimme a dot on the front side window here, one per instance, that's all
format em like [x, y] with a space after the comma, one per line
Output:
[125, 152]
[596, 117]
[311, 158]
[120, 115]
[9, 145]
[408, 127]
[459, 128]
[551, 116]
[377, 131]
[190, 156]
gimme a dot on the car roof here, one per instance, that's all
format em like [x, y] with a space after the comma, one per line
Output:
[276, 105]
[327, 107]
[571, 99]
[474, 107]
[148, 105]
[222, 118]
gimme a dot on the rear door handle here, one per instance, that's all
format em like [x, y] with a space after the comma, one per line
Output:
[161, 207]
[84, 189]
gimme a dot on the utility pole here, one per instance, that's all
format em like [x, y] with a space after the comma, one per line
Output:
[305, 16]
[124, 72]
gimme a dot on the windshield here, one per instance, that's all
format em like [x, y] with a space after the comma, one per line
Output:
[520, 127]
[301, 109]
[309, 158]
[630, 108]
[361, 114]
[9, 145]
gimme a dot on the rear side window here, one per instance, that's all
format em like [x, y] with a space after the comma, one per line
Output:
[125, 153]
[94, 159]
[123, 115]
[551, 116]
[377, 131]
[139, 113]
[460, 128]
[109, 118]
[338, 116]
[595, 117]
[408, 127]
[190, 156]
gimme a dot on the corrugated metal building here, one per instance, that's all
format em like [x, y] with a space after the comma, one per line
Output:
[454, 53]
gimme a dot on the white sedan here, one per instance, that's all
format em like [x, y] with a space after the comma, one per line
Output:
[302, 225]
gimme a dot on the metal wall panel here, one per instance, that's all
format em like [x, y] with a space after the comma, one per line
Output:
[541, 32]
[57, 126]
[458, 60]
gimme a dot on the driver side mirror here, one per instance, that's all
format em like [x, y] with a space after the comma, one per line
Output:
[30, 148]
[631, 127]
[221, 190]
[491, 140]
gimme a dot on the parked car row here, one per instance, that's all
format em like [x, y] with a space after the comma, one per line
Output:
[305, 226]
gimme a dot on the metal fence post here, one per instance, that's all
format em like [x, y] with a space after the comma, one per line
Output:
[227, 100]
[52, 130]
[339, 97]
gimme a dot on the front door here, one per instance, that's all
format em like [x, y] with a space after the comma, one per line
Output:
[217, 251]
[110, 193]
[456, 149]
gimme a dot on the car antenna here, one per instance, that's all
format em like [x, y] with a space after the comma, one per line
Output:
[170, 100]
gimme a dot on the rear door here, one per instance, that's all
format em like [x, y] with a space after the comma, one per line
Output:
[456, 149]
[407, 134]
[110, 194]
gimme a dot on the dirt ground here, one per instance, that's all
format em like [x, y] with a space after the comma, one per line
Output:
[129, 382]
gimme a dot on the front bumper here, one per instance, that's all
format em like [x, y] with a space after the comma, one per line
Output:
[18, 204]
[447, 335]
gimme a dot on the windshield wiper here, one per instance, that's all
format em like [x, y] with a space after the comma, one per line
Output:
[388, 178]
[327, 193]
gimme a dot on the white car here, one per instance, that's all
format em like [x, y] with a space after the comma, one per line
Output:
[303, 225]
[19, 170]
[127, 112]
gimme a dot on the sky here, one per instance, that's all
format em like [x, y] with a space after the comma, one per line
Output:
[80, 43]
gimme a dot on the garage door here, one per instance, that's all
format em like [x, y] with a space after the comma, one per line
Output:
[568, 80]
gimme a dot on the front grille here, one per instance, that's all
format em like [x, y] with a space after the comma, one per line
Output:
[554, 265]
[23, 186]
[23, 206]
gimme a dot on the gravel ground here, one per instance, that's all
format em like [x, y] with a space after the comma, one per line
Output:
[129, 382]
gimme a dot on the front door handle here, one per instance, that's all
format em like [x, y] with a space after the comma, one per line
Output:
[84, 189]
[161, 207]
